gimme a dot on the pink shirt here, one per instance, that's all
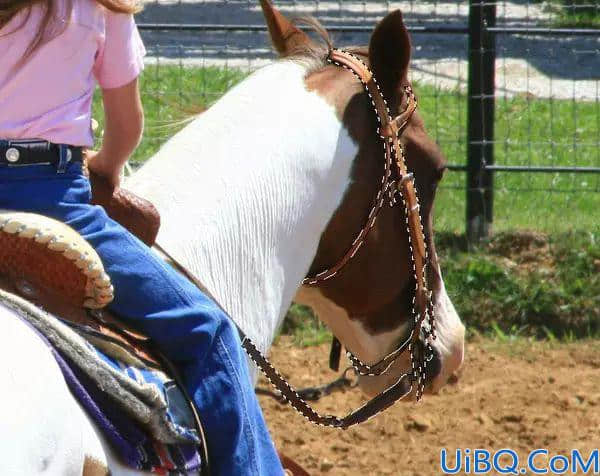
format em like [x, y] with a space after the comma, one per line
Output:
[50, 95]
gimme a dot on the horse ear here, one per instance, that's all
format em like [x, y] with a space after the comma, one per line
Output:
[286, 37]
[389, 53]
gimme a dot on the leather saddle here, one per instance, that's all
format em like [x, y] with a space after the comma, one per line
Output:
[52, 266]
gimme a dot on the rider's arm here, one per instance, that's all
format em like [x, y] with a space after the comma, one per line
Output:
[124, 123]
[119, 61]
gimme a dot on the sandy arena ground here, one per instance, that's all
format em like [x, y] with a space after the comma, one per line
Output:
[520, 395]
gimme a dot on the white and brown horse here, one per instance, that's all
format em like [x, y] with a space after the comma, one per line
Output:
[270, 184]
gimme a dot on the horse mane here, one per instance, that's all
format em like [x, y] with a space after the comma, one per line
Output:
[312, 54]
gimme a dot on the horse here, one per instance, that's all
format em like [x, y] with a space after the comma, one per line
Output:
[267, 186]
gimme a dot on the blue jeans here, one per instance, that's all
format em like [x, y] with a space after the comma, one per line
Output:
[188, 327]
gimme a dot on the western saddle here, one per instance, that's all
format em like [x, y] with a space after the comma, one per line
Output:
[51, 265]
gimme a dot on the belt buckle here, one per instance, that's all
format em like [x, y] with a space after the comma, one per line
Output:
[13, 151]
[12, 155]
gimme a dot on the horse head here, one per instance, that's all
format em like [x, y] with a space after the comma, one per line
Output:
[368, 304]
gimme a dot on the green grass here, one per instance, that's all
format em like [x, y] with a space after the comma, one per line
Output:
[565, 19]
[495, 292]
[572, 13]
[528, 131]
[575, 13]
[303, 324]
[516, 287]
[526, 284]
[170, 95]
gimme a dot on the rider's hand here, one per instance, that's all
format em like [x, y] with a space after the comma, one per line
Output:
[99, 165]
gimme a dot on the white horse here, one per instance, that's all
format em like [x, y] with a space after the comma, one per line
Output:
[263, 188]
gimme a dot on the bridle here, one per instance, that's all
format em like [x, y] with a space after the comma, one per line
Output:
[396, 180]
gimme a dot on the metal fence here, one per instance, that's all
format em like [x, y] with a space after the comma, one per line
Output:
[509, 92]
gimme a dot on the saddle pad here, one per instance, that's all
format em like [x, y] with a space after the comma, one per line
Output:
[139, 410]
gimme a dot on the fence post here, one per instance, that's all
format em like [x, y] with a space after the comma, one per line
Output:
[480, 119]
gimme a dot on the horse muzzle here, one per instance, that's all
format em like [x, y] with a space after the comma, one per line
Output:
[442, 363]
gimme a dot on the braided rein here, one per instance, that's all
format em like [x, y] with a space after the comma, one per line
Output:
[420, 351]
[389, 129]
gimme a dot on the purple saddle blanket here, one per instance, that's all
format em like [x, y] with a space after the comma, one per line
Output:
[139, 410]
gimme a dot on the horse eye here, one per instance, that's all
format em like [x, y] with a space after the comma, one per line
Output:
[440, 173]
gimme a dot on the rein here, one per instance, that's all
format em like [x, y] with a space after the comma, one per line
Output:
[396, 180]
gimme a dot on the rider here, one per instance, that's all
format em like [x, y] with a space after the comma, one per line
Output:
[52, 53]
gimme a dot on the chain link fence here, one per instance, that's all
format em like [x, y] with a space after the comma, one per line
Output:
[511, 96]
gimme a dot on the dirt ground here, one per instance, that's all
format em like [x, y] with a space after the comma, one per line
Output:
[520, 395]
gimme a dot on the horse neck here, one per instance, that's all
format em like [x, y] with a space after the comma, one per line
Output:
[246, 190]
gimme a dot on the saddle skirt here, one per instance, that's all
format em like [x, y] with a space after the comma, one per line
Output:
[55, 281]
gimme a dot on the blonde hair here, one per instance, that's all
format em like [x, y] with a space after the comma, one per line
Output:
[10, 8]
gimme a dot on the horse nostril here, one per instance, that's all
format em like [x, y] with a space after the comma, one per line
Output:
[434, 366]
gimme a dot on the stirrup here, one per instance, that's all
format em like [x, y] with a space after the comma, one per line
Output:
[40, 254]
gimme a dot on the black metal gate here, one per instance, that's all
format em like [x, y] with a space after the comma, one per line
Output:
[236, 37]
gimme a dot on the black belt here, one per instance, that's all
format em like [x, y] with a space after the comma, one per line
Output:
[31, 152]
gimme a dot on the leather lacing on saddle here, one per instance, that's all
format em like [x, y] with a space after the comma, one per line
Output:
[50, 265]
[25, 241]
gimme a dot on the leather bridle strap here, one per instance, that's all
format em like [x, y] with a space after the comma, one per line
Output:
[406, 187]
[374, 406]
[395, 165]
[389, 131]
